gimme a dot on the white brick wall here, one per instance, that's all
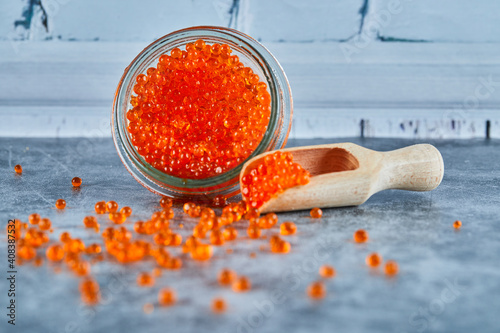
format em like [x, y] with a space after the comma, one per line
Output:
[407, 68]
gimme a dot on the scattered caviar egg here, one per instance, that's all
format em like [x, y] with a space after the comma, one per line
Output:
[316, 213]
[166, 104]
[166, 202]
[226, 277]
[230, 233]
[18, 168]
[253, 231]
[270, 176]
[26, 252]
[117, 217]
[217, 237]
[127, 211]
[65, 237]
[391, 267]
[202, 252]
[360, 236]
[316, 290]
[60, 204]
[373, 260]
[90, 222]
[111, 206]
[457, 224]
[326, 271]
[93, 249]
[279, 245]
[145, 280]
[44, 224]
[167, 297]
[34, 218]
[76, 181]
[89, 290]
[241, 284]
[188, 206]
[55, 252]
[253, 255]
[219, 305]
[100, 207]
[288, 228]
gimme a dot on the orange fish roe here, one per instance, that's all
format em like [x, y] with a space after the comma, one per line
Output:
[327, 271]
[360, 236]
[55, 252]
[457, 224]
[253, 231]
[44, 224]
[316, 213]
[202, 252]
[217, 237]
[60, 204]
[166, 202]
[241, 284]
[34, 218]
[89, 290]
[65, 237]
[271, 175]
[199, 113]
[111, 206]
[93, 249]
[288, 228]
[226, 277]
[279, 245]
[167, 297]
[90, 222]
[117, 217]
[26, 252]
[18, 169]
[100, 207]
[76, 181]
[391, 268]
[126, 211]
[230, 233]
[316, 290]
[219, 305]
[373, 260]
[145, 280]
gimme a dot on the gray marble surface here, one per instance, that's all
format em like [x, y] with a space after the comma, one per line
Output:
[449, 280]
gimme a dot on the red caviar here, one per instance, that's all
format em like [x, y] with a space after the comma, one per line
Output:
[360, 236]
[76, 181]
[270, 176]
[60, 204]
[391, 268]
[18, 169]
[167, 297]
[199, 113]
[316, 290]
[316, 213]
[219, 305]
[288, 228]
[373, 260]
[327, 271]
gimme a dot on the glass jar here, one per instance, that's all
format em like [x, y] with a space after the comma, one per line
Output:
[252, 54]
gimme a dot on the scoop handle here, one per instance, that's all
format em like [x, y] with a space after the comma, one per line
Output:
[415, 168]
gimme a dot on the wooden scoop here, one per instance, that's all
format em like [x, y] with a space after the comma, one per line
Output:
[345, 174]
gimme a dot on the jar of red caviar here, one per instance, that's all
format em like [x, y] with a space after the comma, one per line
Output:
[154, 175]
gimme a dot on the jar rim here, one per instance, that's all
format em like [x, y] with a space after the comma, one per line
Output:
[226, 183]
